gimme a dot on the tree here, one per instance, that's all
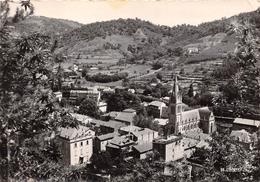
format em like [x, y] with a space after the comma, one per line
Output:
[89, 107]
[206, 99]
[121, 100]
[190, 92]
[29, 111]
[159, 76]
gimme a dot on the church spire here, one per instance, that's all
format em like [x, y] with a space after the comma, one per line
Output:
[175, 95]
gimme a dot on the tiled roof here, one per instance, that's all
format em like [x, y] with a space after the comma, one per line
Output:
[189, 115]
[128, 117]
[143, 131]
[82, 118]
[130, 128]
[107, 136]
[249, 122]
[110, 124]
[121, 141]
[74, 133]
[144, 147]
[156, 103]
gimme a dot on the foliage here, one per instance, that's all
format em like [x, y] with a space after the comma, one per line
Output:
[30, 110]
[104, 78]
[89, 107]
[224, 159]
[121, 100]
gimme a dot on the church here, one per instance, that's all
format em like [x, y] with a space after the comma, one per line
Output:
[181, 121]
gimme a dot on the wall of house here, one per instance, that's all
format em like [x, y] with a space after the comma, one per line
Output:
[65, 150]
[147, 137]
[174, 151]
[81, 151]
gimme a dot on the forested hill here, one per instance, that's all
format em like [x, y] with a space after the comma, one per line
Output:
[44, 25]
[135, 39]
[143, 40]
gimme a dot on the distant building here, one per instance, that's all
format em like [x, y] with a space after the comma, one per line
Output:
[170, 148]
[155, 108]
[140, 151]
[101, 141]
[102, 106]
[120, 146]
[184, 121]
[76, 144]
[126, 117]
[249, 125]
[81, 94]
[243, 138]
[107, 126]
[139, 134]
[82, 118]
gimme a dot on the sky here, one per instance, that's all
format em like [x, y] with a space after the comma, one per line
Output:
[170, 13]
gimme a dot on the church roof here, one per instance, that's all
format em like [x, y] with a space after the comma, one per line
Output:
[190, 115]
[204, 113]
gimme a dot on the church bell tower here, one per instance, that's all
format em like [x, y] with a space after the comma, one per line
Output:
[175, 109]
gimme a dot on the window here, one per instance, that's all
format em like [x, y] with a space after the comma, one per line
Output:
[87, 142]
[75, 151]
[75, 145]
[81, 144]
[81, 151]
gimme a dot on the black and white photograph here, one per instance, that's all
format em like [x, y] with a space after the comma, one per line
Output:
[130, 91]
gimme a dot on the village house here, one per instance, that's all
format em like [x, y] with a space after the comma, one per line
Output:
[82, 118]
[110, 116]
[120, 146]
[101, 141]
[249, 125]
[244, 138]
[155, 109]
[76, 144]
[107, 126]
[126, 116]
[82, 94]
[141, 151]
[170, 148]
[141, 135]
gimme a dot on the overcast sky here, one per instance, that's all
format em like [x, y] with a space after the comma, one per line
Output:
[163, 12]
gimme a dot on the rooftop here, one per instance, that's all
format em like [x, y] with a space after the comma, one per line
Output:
[83, 118]
[249, 122]
[156, 103]
[169, 139]
[121, 141]
[75, 133]
[107, 136]
[128, 117]
[144, 147]
[110, 124]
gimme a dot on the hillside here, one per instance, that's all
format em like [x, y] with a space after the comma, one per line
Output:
[136, 39]
[44, 25]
